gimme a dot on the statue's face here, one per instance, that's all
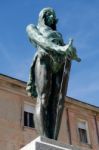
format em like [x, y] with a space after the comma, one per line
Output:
[50, 19]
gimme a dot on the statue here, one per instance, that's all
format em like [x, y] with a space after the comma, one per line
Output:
[49, 72]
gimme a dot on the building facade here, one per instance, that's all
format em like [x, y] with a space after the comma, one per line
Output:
[79, 127]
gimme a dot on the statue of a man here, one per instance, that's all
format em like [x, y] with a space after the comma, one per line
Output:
[46, 80]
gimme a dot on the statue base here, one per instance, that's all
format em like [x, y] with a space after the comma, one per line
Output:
[43, 143]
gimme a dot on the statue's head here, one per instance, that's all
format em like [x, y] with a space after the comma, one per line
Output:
[47, 17]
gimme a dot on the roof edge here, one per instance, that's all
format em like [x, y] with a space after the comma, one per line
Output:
[73, 100]
[82, 103]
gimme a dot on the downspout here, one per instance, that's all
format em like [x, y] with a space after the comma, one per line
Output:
[97, 131]
[68, 126]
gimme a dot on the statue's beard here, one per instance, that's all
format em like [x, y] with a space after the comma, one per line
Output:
[52, 25]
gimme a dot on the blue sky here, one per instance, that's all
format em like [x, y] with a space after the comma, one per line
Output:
[78, 19]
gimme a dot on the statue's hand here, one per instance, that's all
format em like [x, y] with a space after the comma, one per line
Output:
[70, 51]
[73, 54]
[78, 59]
[70, 42]
[68, 46]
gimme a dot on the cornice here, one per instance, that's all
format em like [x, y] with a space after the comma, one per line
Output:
[71, 101]
[17, 86]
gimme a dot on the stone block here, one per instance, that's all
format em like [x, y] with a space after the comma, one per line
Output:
[42, 143]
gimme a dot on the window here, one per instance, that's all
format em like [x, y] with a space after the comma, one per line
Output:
[29, 115]
[83, 132]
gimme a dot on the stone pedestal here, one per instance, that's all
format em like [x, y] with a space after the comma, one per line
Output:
[42, 143]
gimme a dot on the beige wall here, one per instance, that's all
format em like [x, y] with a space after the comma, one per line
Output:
[14, 135]
[77, 111]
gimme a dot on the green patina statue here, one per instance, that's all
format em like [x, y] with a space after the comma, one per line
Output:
[49, 72]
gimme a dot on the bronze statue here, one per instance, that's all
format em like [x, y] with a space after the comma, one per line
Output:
[49, 72]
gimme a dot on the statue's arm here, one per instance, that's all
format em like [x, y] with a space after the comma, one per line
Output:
[35, 36]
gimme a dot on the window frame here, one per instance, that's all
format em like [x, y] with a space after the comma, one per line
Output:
[32, 111]
[86, 129]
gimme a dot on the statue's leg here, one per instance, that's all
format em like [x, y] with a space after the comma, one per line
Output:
[64, 77]
[43, 77]
[57, 103]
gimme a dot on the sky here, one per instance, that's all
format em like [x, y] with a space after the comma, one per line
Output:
[78, 19]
